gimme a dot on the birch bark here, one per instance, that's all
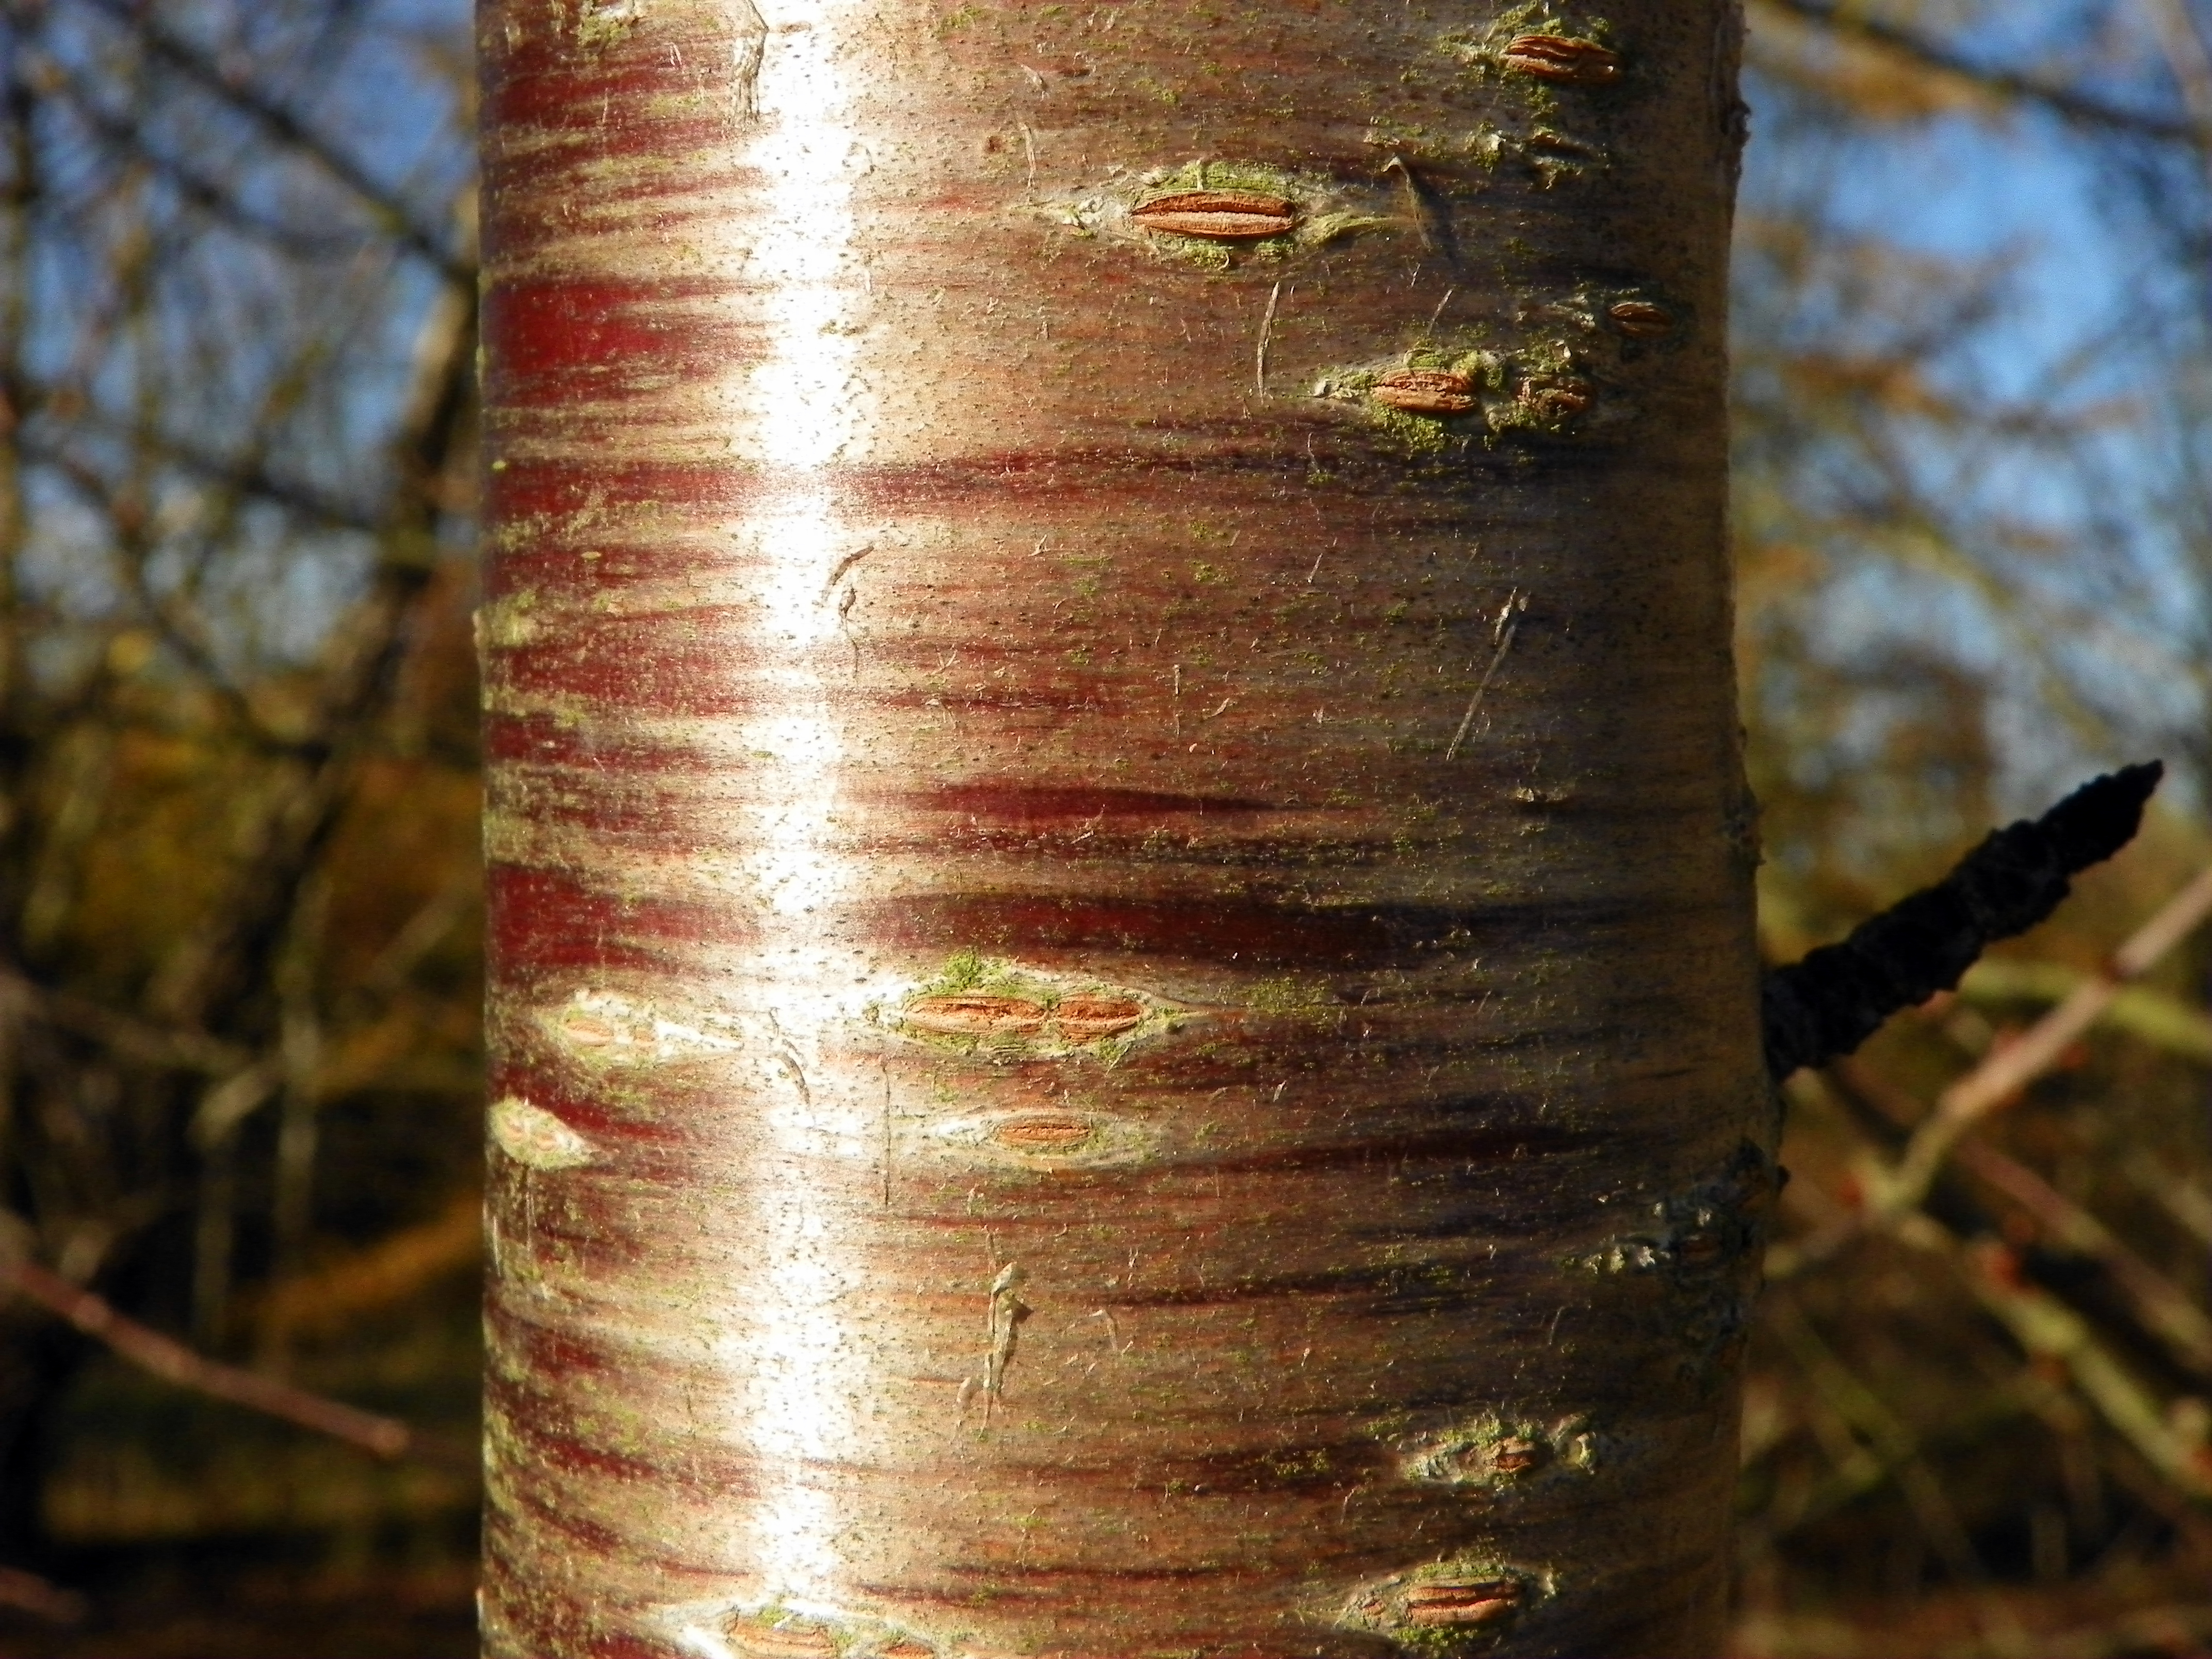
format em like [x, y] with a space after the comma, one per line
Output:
[1123, 992]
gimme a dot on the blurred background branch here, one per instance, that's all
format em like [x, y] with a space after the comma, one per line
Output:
[238, 1053]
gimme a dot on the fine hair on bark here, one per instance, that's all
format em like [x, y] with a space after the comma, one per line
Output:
[1124, 1003]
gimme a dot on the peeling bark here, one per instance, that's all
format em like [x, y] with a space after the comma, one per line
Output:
[1124, 1006]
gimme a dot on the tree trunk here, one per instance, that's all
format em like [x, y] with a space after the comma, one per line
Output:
[1123, 994]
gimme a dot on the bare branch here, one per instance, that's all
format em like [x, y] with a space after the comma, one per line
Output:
[190, 183]
[173, 1361]
[247, 477]
[2065, 101]
[1897, 1191]
[289, 128]
[2163, 1305]
[35, 1595]
[226, 958]
[2005, 1072]
[2046, 1328]
[143, 1042]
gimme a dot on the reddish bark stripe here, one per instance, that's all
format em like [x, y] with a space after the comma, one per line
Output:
[534, 328]
[1258, 935]
[1490, 1145]
[1016, 802]
[1246, 932]
[542, 920]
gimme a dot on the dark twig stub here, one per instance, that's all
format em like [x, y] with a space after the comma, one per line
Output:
[1828, 1003]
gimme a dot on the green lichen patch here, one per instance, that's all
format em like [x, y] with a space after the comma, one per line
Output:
[1552, 394]
[1618, 324]
[1462, 1606]
[1422, 398]
[1418, 429]
[774, 1633]
[600, 23]
[1417, 434]
[1287, 995]
[989, 1008]
[1230, 212]
[1550, 151]
[509, 623]
[1547, 148]
[1495, 1453]
[1561, 67]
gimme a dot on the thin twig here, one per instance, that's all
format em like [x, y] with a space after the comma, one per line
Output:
[1896, 1451]
[195, 185]
[2163, 1304]
[2005, 1072]
[245, 476]
[173, 1362]
[2187, 55]
[1932, 54]
[143, 1042]
[2187, 1203]
[31, 1594]
[2046, 1328]
[289, 130]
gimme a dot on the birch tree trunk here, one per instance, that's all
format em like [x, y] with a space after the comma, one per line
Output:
[1124, 990]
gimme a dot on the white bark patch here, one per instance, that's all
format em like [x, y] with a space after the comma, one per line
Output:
[537, 1140]
[605, 1028]
[747, 47]
[1493, 1453]
[794, 1627]
[1045, 1138]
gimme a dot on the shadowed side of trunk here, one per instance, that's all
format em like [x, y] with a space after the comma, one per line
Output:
[1124, 1012]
